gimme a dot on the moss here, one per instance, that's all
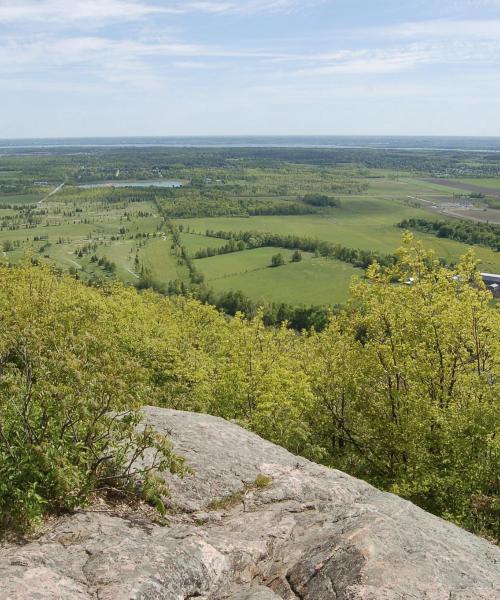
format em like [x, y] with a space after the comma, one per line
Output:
[261, 482]
[226, 502]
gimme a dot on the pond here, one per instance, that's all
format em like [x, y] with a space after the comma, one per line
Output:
[157, 183]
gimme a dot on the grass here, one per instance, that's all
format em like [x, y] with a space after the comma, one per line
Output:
[90, 221]
[164, 266]
[236, 263]
[261, 482]
[19, 199]
[492, 182]
[122, 253]
[365, 220]
[311, 281]
[318, 281]
[361, 222]
[193, 242]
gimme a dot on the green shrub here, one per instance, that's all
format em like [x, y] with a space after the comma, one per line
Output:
[70, 390]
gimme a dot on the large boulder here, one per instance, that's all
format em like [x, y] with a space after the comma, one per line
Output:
[253, 522]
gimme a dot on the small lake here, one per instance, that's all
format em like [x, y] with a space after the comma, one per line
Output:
[160, 183]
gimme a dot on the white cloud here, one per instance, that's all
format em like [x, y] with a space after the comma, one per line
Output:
[70, 11]
[400, 58]
[445, 28]
[97, 11]
[123, 60]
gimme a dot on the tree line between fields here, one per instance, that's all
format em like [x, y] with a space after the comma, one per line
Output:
[233, 301]
[247, 240]
[400, 388]
[196, 201]
[461, 230]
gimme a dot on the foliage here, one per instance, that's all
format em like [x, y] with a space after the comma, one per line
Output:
[408, 385]
[401, 388]
[468, 232]
[320, 200]
[259, 239]
[70, 390]
[277, 260]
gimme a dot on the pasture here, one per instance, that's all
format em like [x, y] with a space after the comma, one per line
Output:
[19, 199]
[361, 222]
[311, 281]
[118, 234]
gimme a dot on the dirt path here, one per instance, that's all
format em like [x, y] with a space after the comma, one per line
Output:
[57, 189]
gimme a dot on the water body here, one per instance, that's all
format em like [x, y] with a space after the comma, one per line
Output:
[471, 144]
[161, 183]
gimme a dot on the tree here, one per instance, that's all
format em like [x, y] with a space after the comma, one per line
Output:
[320, 200]
[408, 381]
[296, 256]
[277, 260]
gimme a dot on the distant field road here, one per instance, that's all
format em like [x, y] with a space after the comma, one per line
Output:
[59, 187]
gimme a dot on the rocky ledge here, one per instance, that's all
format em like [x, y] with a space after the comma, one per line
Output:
[254, 522]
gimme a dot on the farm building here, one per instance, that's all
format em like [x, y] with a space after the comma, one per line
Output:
[492, 282]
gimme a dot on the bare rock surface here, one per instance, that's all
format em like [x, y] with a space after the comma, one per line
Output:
[307, 533]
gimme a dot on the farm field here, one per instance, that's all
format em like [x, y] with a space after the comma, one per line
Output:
[236, 263]
[155, 236]
[311, 281]
[363, 223]
[479, 186]
[193, 242]
[488, 182]
[164, 266]
[483, 215]
[7, 199]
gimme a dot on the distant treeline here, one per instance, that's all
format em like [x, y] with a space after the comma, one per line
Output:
[468, 232]
[101, 164]
[207, 202]
[320, 200]
[273, 314]
[254, 239]
[217, 206]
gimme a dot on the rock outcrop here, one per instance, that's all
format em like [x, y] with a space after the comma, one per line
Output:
[254, 522]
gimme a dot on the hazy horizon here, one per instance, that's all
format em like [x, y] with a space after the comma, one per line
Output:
[489, 144]
[142, 68]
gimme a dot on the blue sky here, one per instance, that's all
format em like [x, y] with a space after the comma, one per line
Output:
[209, 67]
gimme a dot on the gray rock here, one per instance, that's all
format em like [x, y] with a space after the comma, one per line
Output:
[313, 533]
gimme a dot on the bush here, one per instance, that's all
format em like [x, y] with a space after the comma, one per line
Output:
[400, 388]
[277, 260]
[70, 390]
[320, 200]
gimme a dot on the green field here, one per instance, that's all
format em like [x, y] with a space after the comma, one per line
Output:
[227, 265]
[360, 223]
[193, 242]
[164, 266]
[131, 231]
[311, 281]
[489, 182]
[19, 199]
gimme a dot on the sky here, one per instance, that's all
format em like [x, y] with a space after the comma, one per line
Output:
[75, 68]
